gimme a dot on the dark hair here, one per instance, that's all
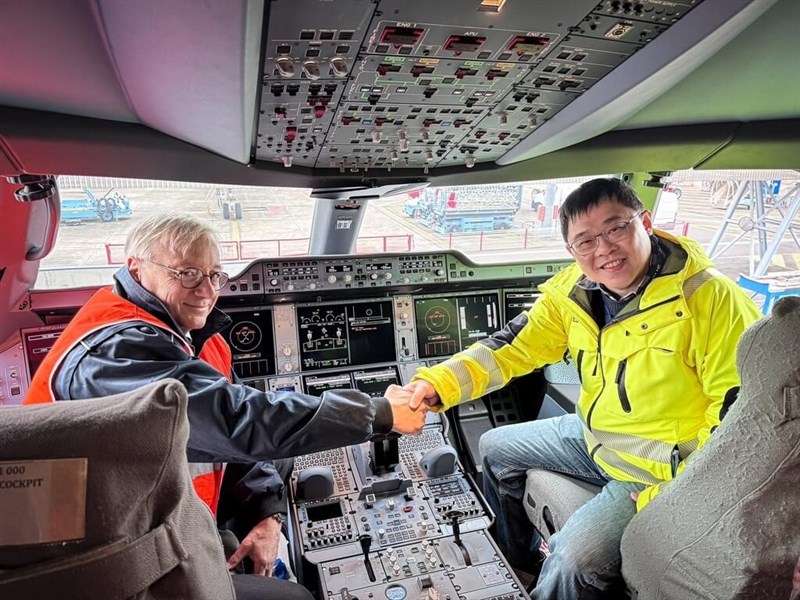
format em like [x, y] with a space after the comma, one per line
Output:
[593, 192]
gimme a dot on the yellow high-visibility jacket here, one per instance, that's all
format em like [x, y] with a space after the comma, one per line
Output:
[652, 381]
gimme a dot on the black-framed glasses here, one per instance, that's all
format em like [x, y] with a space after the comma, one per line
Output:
[614, 233]
[191, 278]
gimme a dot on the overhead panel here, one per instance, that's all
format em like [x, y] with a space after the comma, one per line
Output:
[310, 50]
[414, 84]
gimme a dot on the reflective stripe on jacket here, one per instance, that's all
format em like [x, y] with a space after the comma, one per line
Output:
[105, 309]
[652, 380]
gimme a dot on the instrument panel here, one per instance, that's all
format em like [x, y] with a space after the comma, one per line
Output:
[366, 322]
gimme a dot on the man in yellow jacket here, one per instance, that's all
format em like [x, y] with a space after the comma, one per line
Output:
[652, 328]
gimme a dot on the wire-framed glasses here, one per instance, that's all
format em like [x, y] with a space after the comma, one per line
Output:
[191, 278]
[614, 233]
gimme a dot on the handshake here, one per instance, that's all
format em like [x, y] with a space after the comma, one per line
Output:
[410, 403]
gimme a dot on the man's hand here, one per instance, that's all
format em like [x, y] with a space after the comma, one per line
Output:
[261, 545]
[407, 420]
[421, 391]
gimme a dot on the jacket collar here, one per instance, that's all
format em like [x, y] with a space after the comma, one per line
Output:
[127, 287]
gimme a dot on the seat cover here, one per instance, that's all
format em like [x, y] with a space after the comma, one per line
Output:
[727, 528]
[147, 535]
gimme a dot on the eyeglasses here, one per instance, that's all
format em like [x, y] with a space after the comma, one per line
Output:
[616, 232]
[191, 278]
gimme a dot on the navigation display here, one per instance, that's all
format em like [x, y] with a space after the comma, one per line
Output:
[446, 325]
[251, 342]
[335, 335]
[517, 303]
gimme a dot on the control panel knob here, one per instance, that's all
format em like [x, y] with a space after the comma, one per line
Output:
[390, 504]
[287, 367]
[331, 278]
[373, 276]
[406, 280]
[348, 278]
[439, 272]
[405, 316]
[423, 527]
[273, 282]
[290, 287]
[287, 350]
[387, 276]
[312, 286]
[381, 533]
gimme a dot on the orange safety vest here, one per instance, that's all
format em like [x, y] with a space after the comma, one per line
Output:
[102, 310]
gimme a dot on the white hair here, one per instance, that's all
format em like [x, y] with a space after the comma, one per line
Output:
[174, 232]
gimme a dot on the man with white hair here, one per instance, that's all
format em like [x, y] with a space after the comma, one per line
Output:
[159, 321]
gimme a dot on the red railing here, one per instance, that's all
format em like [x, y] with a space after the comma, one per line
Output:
[252, 249]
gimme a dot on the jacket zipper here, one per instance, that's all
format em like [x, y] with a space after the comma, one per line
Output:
[579, 362]
[675, 460]
[638, 312]
[602, 387]
[623, 393]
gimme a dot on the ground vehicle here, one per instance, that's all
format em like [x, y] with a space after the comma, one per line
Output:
[284, 113]
[455, 209]
[90, 208]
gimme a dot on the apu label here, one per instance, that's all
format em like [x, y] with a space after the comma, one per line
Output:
[42, 501]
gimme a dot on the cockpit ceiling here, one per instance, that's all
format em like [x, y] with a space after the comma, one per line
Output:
[416, 84]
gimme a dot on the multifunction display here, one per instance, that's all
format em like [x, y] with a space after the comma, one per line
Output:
[335, 335]
[251, 342]
[375, 381]
[316, 384]
[519, 302]
[446, 325]
[370, 381]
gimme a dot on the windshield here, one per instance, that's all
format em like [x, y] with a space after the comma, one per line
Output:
[494, 223]
[489, 223]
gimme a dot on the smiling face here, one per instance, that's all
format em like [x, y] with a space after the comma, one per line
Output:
[189, 307]
[619, 266]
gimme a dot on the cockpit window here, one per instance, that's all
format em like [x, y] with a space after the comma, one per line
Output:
[488, 223]
[96, 214]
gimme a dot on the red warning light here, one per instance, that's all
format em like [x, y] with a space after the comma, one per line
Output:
[401, 36]
[463, 43]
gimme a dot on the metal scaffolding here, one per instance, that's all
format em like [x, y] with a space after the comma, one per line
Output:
[769, 221]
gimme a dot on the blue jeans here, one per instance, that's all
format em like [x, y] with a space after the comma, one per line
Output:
[585, 556]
